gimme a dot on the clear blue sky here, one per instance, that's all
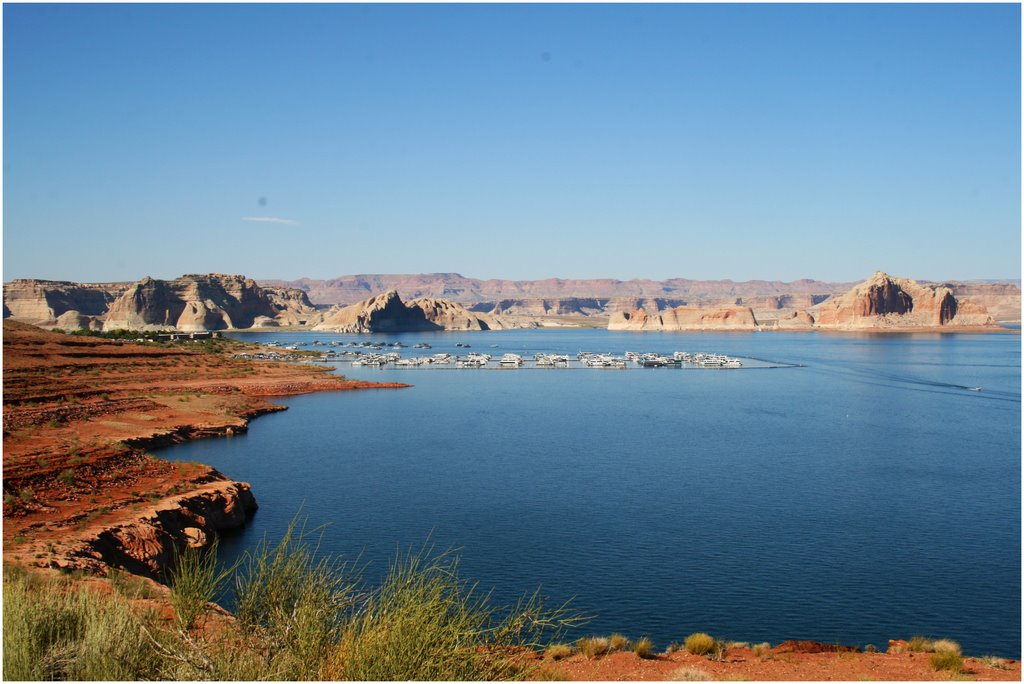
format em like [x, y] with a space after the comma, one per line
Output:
[512, 141]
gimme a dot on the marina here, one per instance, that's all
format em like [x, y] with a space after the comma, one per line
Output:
[376, 354]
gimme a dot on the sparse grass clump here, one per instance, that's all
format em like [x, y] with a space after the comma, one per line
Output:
[618, 642]
[919, 644]
[548, 674]
[689, 674]
[643, 647]
[994, 662]
[761, 650]
[699, 643]
[592, 647]
[950, 661]
[871, 648]
[558, 651]
[945, 646]
[67, 477]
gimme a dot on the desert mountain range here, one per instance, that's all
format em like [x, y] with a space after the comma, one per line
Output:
[452, 302]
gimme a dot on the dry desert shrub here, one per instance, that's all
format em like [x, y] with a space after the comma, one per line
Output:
[558, 651]
[950, 661]
[689, 674]
[761, 650]
[920, 644]
[548, 674]
[945, 646]
[994, 662]
[618, 642]
[699, 643]
[643, 647]
[592, 647]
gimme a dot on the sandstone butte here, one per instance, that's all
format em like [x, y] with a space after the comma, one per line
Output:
[82, 493]
[388, 313]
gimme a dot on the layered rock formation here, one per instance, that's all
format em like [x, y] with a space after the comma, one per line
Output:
[567, 306]
[883, 301]
[455, 287]
[452, 316]
[59, 303]
[148, 544]
[1001, 300]
[189, 303]
[388, 313]
[382, 313]
[683, 318]
[798, 320]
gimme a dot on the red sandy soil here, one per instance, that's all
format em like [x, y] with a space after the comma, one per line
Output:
[778, 664]
[80, 413]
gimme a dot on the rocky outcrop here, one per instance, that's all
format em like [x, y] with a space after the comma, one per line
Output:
[146, 544]
[797, 320]
[47, 302]
[883, 301]
[189, 303]
[202, 302]
[452, 316]
[1001, 300]
[388, 313]
[381, 313]
[685, 318]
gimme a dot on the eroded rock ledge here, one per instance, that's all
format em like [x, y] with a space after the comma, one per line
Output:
[146, 545]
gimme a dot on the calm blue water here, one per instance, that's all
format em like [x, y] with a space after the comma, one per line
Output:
[864, 496]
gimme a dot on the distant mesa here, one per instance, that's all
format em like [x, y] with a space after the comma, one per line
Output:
[885, 302]
[683, 318]
[388, 313]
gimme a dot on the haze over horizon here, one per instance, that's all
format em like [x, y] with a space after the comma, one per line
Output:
[520, 142]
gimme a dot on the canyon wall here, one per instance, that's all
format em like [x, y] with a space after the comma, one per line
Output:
[188, 303]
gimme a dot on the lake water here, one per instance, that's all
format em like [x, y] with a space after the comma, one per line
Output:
[868, 494]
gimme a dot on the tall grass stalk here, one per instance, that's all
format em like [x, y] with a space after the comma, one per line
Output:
[296, 600]
[54, 631]
[424, 623]
[195, 581]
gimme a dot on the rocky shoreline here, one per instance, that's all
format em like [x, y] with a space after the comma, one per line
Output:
[81, 491]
